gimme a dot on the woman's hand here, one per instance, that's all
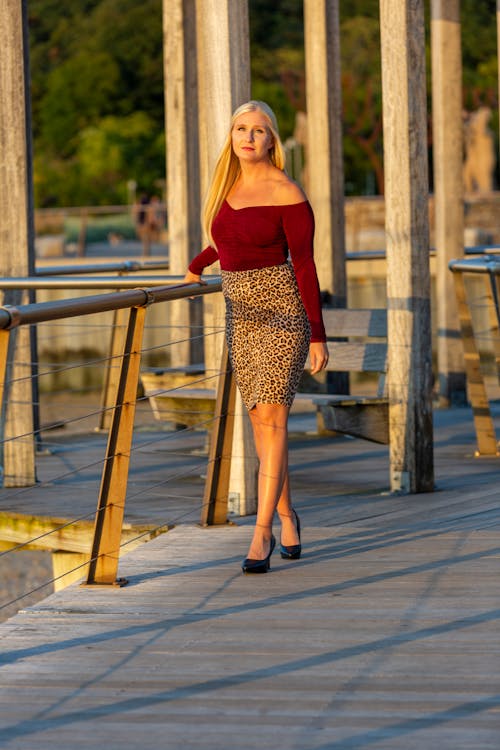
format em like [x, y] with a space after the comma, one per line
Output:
[193, 278]
[318, 356]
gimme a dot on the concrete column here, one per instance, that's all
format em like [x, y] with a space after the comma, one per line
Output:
[407, 229]
[324, 143]
[16, 234]
[185, 317]
[447, 126]
[224, 84]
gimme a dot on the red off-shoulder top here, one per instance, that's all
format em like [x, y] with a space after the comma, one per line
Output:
[261, 236]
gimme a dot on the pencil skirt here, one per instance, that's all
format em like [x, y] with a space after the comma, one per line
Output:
[267, 332]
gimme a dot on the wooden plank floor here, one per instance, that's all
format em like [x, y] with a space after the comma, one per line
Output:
[385, 635]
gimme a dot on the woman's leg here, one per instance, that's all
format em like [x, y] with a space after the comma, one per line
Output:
[270, 428]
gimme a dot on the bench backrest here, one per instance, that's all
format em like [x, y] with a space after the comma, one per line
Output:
[357, 353]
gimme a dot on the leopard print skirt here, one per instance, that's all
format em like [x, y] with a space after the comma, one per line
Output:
[267, 333]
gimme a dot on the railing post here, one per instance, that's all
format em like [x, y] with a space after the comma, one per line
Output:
[215, 499]
[4, 353]
[494, 307]
[485, 430]
[112, 374]
[111, 505]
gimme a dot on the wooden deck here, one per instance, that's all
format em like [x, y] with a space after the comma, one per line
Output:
[385, 635]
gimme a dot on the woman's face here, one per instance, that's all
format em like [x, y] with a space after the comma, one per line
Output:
[251, 138]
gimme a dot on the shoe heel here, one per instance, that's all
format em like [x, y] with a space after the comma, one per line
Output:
[294, 551]
[250, 565]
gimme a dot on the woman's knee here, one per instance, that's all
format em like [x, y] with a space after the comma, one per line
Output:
[273, 416]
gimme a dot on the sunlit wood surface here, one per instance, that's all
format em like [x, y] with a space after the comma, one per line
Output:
[385, 635]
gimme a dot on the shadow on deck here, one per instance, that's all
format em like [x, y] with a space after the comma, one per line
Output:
[385, 634]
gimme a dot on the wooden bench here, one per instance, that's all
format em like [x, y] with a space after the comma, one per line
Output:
[362, 349]
[357, 342]
[179, 395]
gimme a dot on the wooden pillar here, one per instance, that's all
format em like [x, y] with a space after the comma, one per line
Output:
[223, 73]
[447, 126]
[407, 229]
[16, 234]
[185, 317]
[224, 84]
[324, 143]
[498, 56]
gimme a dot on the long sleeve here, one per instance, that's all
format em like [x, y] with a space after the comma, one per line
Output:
[207, 256]
[298, 224]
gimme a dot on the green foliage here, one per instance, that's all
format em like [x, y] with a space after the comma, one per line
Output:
[107, 155]
[118, 148]
[362, 104]
[277, 58]
[276, 25]
[99, 228]
[97, 88]
[78, 93]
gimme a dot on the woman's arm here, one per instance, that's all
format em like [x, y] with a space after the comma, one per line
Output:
[207, 256]
[298, 224]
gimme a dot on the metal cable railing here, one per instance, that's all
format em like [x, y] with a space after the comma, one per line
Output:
[13, 319]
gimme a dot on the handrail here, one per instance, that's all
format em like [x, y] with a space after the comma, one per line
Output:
[487, 264]
[86, 282]
[106, 544]
[127, 266]
[381, 254]
[11, 317]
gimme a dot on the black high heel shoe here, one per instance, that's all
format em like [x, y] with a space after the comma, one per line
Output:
[250, 565]
[294, 551]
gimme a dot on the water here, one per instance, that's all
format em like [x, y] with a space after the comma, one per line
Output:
[22, 572]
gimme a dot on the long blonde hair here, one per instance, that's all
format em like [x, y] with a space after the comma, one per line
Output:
[227, 168]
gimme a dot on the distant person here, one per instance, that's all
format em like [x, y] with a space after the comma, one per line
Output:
[142, 227]
[140, 210]
[155, 218]
[479, 165]
[255, 216]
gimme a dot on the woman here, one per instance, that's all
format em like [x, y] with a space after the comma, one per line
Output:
[255, 216]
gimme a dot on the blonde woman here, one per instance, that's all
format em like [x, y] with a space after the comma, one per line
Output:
[261, 227]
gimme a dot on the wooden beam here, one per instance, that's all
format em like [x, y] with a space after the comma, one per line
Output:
[105, 552]
[185, 317]
[498, 56]
[447, 126]
[407, 230]
[224, 84]
[215, 501]
[64, 534]
[16, 236]
[324, 143]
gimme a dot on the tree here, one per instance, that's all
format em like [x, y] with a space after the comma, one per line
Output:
[97, 85]
[97, 66]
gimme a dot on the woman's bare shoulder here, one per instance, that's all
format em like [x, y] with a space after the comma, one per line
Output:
[287, 192]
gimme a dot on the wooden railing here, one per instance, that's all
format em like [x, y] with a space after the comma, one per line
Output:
[489, 269]
[104, 556]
